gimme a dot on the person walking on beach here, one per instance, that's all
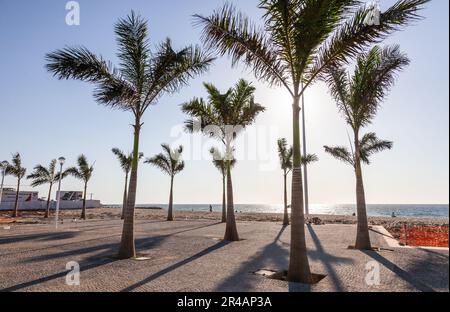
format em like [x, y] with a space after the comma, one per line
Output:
[210, 208]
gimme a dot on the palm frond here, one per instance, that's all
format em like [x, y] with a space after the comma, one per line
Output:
[285, 153]
[354, 35]
[309, 159]
[229, 32]
[170, 70]
[341, 153]
[370, 145]
[15, 167]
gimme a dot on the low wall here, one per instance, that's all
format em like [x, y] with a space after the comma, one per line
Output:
[42, 205]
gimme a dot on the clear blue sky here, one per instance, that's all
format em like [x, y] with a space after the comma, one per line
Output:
[43, 118]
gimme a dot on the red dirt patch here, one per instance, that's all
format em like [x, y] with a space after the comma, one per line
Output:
[422, 236]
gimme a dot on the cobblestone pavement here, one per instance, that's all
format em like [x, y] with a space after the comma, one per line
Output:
[190, 256]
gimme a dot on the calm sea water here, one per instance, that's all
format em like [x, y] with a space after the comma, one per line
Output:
[419, 211]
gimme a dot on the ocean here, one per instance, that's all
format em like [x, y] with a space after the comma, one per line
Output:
[418, 211]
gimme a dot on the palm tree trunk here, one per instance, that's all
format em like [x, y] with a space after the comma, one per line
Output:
[16, 205]
[47, 210]
[124, 202]
[362, 233]
[299, 270]
[231, 233]
[224, 201]
[170, 215]
[127, 248]
[286, 214]
[83, 210]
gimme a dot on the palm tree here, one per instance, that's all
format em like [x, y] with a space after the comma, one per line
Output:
[220, 162]
[224, 116]
[299, 42]
[142, 77]
[126, 162]
[15, 169]
[285, 155]
[42, 175]
[82, 172]
[170, 163]
[359, 98]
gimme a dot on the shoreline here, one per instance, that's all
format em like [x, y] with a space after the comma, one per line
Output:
[157, 213]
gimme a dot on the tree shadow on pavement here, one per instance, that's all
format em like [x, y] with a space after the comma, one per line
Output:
[328, 260]
[410, 277]
[102, 254]
[176, 266]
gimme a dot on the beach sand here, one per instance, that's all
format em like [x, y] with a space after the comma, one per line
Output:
[396, 226]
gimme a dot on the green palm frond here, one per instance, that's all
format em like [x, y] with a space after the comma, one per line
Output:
[301, 40]
[169, 161]
[221, 161]
[223, 116]
[229, 32]
[15, 168]
[360, 96]
[83, 171]
[370, 145]
[285, 153]
[341, 153]
[42, 175]
[309, 159]
[142, 76]
[353, 36]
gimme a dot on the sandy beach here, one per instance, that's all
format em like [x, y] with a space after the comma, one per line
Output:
[395, 226]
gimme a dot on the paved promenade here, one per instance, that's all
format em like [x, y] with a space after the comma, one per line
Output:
[189, 256]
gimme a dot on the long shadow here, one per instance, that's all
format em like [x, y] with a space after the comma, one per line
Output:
[404, 275]
[38, 237]
[176, 266]
[141, 244]
[94, 261]
[273, 255]
[327, 259]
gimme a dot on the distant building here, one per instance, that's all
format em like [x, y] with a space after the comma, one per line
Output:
[70, 196]
[9, 195]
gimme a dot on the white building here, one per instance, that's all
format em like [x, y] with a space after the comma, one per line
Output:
[9, 195]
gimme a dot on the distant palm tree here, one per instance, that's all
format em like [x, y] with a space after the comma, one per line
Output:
[142, 78]
[298, 43]
[15, 169]
[82, 172]
[224, 116]
[126, 162]
[285, 153]
[220, 162]
[359, 98]
[170, 163]
[42, 176]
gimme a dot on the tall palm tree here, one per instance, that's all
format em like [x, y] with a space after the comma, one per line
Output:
[359, 98]
[220, 162]
[82, 172]
[126, 162]
[42, 175]
[285, 153]
[298, 43]
[170, 163]
[15, 169]
[142, 77]
[224, 116]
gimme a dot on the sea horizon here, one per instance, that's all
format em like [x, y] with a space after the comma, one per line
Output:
[373, 210]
